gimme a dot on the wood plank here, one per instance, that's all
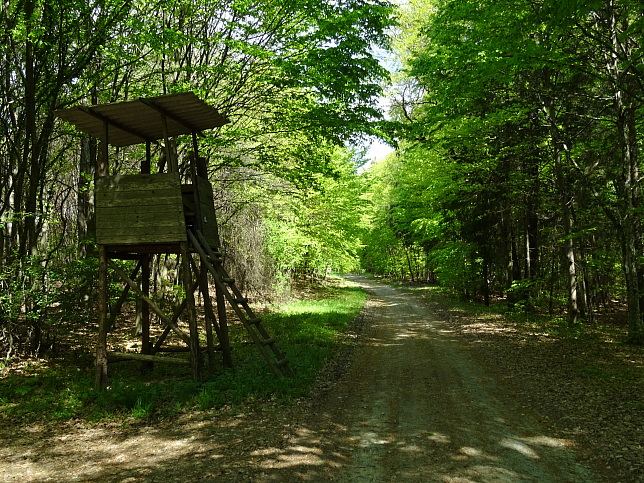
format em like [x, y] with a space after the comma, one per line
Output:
[146, 231]
[137, 197]
[118, 356]
[139, 188]
[209, 217]
[139, 239]
[141, 205]
[134, 251]
[204, 187]
[134, 214]
[129, 182]
[117, 217]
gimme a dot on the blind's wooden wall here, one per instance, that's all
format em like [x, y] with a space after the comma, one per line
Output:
[139, 209]
[208, 222]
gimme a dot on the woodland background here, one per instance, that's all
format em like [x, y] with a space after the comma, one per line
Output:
[517, 123]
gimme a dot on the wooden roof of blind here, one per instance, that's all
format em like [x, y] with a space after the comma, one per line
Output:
[140, 121]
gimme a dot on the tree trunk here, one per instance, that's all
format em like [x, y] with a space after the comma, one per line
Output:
[625, 91]
[532, 220]
[631, 226]
[29, 156]
[565, 201]
[411, 270]
[85, 220]
[486, 281]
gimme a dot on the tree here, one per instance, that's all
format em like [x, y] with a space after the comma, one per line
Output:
[296, 79]
[533, 108]
[45, 49]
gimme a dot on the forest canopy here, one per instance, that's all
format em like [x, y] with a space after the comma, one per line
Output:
[297, 80]
[518, 168]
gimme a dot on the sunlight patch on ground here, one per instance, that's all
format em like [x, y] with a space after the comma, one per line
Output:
[411, 448]
[266, 452]
[379, 343]
[293, 456]
[439, 438]
[294, 459]
[487, 328]
[382, 303]
[413, 334]
[370, 438]
[519, 446]
[469, 451]
[548, 441]
[466, 452]
[481, 473]
[306, 449]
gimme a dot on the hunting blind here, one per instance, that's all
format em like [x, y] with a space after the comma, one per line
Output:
[170, 211]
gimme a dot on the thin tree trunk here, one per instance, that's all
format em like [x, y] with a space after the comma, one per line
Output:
[565, 202]
[486, 281]
[85, 220]
[411, 270]
[29, 155]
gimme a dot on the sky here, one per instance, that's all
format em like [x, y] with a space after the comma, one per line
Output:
[377, 151]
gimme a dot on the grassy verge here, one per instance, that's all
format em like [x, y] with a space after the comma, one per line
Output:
[308, 331]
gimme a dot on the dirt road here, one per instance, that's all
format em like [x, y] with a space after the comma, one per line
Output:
[411, 406]
[414, 407]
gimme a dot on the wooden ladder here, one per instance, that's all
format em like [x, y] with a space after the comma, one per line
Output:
[253, 324]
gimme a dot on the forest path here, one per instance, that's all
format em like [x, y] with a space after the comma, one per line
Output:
[413, 406]
[407, 403]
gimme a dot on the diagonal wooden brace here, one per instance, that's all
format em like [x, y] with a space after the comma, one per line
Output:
[164, 318]
[117, 309]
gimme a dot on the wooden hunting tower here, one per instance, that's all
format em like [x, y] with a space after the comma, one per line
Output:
[169, 209]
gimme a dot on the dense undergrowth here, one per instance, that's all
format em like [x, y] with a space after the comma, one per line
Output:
[309, 330]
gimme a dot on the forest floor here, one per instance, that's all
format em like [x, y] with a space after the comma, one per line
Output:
[426, 393]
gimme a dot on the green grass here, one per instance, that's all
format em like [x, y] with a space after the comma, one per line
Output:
[308, 331]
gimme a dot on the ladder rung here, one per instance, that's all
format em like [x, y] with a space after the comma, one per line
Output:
[256, 321]
[228, 280]
[268, 341]
[242, 300]
[281, 362]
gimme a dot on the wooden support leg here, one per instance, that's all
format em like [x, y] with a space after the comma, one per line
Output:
[209, 316]
[220, 298]
[210, 319]
[146, 366]
[223, 326]
[195, 355]
[101, 345]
